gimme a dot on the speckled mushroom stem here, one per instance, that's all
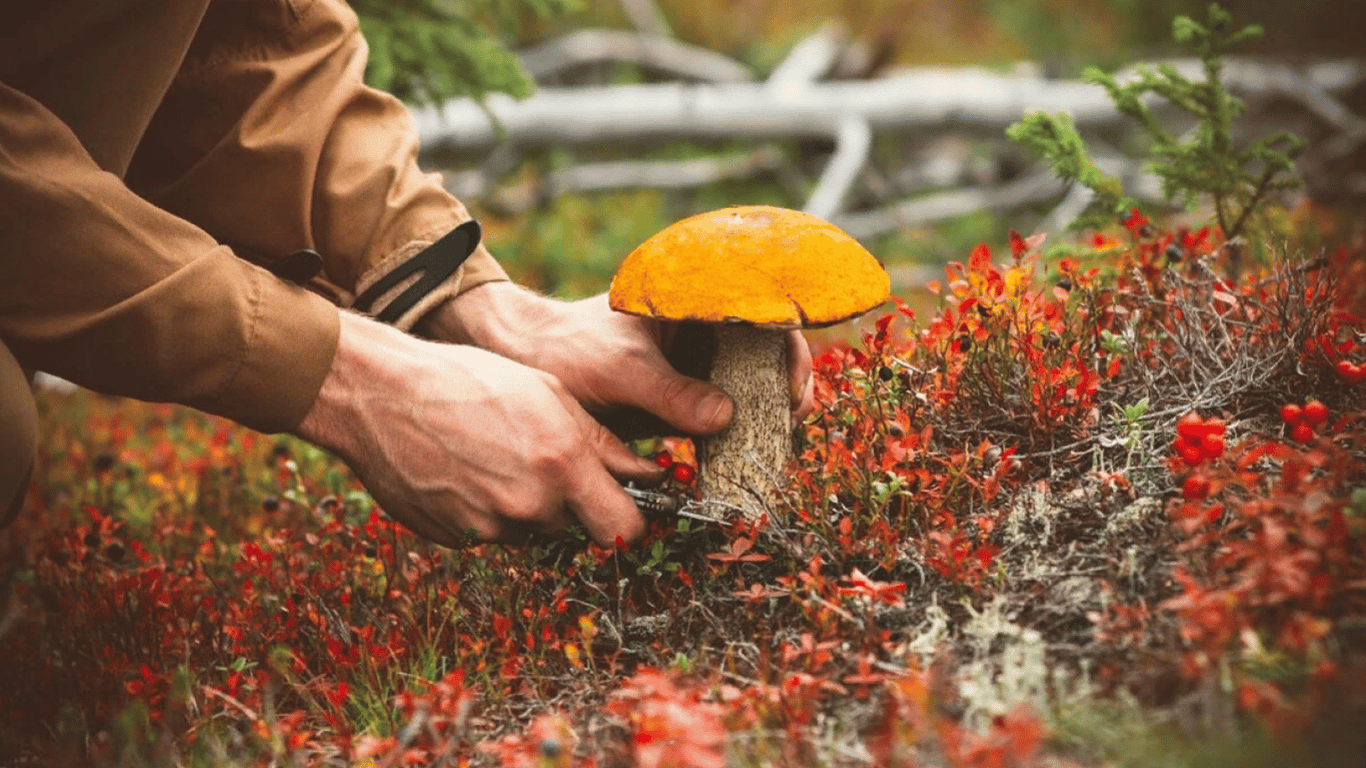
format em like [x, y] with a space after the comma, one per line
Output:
[745, 463]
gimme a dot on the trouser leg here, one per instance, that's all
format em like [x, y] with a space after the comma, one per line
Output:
[18, 435]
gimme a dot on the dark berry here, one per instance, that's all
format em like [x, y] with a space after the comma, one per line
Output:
[1065, 284]
[270, 503]
[964, 343]
[895, 430]
[114, 551]
[280, 451]
[92, 539]
[104, 461]
[370, 550]
[1173, 252]
[550, 748]
[885, 373]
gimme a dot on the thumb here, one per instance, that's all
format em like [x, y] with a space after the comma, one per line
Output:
[693, 406]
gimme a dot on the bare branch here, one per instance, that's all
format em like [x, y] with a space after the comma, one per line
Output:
[946, 205]
[663, 54]
[852, 143]
[807, 62]
[646, 17]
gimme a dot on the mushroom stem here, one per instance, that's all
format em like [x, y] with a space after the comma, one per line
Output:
[744, 463]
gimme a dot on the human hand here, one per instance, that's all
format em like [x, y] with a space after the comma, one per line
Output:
[606, 359]
[450, 439]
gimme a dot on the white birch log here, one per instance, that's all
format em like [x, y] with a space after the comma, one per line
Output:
[853, 140]
[646, 17]
[928, 97]
[662, 54]
[750, 110]
[807, 62]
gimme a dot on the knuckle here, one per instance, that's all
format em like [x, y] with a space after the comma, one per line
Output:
[522, 508]
[556, 455]
[676, 392]
[552, 383]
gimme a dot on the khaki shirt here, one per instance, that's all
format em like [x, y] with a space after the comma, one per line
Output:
[147, 147]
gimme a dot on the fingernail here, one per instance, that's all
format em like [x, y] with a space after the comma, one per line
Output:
[717, 407]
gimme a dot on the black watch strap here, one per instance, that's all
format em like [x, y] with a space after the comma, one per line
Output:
[437, 262]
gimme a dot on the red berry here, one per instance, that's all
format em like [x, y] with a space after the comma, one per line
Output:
[683, 473]
[1191, 425]
[1195, 488]
[1315, 412]
[1192, 455]
[1291, 414]
[1350, 372]
[664, 460]
[1302, 433]
[1212, 446]
[1214, 427]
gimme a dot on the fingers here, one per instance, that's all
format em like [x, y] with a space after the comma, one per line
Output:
[693, 406]
[616, 458]
[592, 494]
[801, 387]
[604, 508]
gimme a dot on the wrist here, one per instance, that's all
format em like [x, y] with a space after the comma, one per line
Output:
[494, 316]
[364, 360]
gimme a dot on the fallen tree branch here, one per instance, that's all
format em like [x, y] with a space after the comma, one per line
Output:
[949, 204]
[749, 110]
[646, 17]
[662, 54]
[623, 174]
[807, 62]
[853, 140]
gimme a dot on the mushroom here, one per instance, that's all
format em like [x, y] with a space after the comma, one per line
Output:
[750, 273]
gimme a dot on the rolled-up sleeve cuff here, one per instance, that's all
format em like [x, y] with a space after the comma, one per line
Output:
[288, 348]
[478, 269]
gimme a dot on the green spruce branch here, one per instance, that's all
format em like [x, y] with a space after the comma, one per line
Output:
[428, 51]
[1203, 164]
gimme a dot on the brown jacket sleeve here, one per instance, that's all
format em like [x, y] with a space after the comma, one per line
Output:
[268, 139]
[101, 287]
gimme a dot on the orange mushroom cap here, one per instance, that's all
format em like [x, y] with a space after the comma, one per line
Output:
[754, 264]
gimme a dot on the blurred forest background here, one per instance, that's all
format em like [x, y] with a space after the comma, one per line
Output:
[568, 243]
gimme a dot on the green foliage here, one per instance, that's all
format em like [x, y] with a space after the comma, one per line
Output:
[1204, 163]
[427, 51]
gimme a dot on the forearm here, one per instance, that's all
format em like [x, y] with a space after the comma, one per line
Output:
[451, 439]
[367, 354]
[108, 291]
[497, 316]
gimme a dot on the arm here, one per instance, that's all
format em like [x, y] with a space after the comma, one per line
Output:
[269, 139]
[454, 440]
[310, 157]
[606, 359]
[108, 291]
